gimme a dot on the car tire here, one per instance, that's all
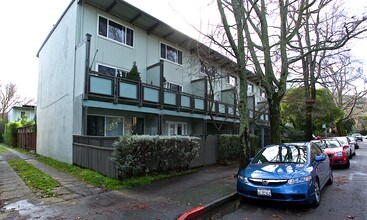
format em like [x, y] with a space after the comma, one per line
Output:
[350, 154]
[317, 200]
[348, 164]
[331, 178]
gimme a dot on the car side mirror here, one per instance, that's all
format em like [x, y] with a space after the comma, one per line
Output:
[320, 158]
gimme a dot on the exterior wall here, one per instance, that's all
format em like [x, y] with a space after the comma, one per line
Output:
[56, 90]
[15, 113]
[111, 53]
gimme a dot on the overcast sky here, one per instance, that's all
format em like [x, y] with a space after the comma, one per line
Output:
[25, 24]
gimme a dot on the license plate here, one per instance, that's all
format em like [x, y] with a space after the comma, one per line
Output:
[264, 192]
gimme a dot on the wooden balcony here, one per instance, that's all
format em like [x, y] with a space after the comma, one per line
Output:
[122, 91]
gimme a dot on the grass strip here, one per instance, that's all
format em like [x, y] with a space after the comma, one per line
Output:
[38, 181]
[96, 179]
[2, 149]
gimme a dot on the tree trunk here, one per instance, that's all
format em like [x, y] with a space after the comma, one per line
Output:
[275, 120]
[244, 124]
[309, 120]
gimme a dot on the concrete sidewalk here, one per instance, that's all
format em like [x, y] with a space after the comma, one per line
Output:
[165, 199]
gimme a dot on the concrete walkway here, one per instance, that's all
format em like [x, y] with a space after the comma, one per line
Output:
[166, 199]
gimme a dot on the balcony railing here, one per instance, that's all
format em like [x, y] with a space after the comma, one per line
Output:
[119, 90]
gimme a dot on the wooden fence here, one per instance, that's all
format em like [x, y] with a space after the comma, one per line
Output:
[94, 152]
[26, 138]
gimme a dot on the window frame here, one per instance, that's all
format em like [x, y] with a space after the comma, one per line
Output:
[125, 32]
[179, 55]
[262, 93]
[105, 122]
[170, 84]
[184, 126]
[231, 76]
[252, 88]
[112, 67]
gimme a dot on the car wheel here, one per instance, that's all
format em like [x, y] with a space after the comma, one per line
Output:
[317, 199]
[331, 178]
[348, 164]
[350, 154]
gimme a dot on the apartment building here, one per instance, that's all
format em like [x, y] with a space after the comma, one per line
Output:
[84, 88]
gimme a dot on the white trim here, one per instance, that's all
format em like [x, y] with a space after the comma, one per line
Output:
[174, 84]
[110, 116]
[176, 123]
[113, 67]
[112, 40]
[165, 59]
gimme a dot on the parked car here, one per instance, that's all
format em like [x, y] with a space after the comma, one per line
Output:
[337, 155]
[286, 172]
[358, 136]
[347, 145]
[354, 141]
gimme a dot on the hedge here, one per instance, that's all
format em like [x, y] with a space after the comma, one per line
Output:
[230, 145]
[10, 133]
[139, 155]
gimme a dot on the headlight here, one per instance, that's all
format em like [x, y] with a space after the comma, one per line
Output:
[338, 154]
[243, 179]
[299, 180]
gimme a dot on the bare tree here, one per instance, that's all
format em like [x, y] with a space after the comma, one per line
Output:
[344, 77]
[261, 31]
[326, 27]
[9, 97]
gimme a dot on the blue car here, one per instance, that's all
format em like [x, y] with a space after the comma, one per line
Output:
[287, 172]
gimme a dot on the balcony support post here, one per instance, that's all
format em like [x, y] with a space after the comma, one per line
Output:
[86, 68]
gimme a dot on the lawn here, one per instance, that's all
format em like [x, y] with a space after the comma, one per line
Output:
[2, 149]
[36, 180]
[99, 180]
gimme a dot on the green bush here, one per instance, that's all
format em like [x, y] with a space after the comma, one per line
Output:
[139, 155]
[10, 133]
[2, 129]
[230, 145]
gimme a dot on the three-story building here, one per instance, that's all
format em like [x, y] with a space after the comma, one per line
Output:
[83, 86]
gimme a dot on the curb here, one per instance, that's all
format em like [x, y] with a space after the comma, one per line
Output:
[202, 209]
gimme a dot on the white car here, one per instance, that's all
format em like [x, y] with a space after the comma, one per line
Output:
[347, 145]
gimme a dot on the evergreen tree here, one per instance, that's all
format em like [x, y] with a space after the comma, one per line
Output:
[134, 73]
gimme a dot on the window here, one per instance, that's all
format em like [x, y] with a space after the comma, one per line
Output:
[206, 69]
[22, 114]
[262, 93]
[115, 31]
[232, 80]
[104, 125]
[111, 71]
[172, 86]
[176, 128]
[250, 88]
[171, 54]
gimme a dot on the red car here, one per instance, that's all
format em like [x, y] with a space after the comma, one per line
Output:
[337, 154]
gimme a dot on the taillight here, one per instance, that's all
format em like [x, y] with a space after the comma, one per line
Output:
[345, 147]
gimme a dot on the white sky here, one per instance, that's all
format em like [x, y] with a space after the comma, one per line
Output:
[25, 24]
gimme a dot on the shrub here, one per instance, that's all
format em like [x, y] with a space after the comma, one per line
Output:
[134, 74]
[2, 128]
[139, 155]
[10, 133]
[230, 145]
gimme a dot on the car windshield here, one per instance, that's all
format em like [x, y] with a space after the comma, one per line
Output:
[332, 144]
[282, 154]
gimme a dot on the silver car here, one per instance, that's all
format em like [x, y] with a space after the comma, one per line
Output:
[347, 145]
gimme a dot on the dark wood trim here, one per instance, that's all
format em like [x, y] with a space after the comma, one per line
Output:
[86, 67]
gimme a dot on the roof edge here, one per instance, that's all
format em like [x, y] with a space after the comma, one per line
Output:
[55, 26]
